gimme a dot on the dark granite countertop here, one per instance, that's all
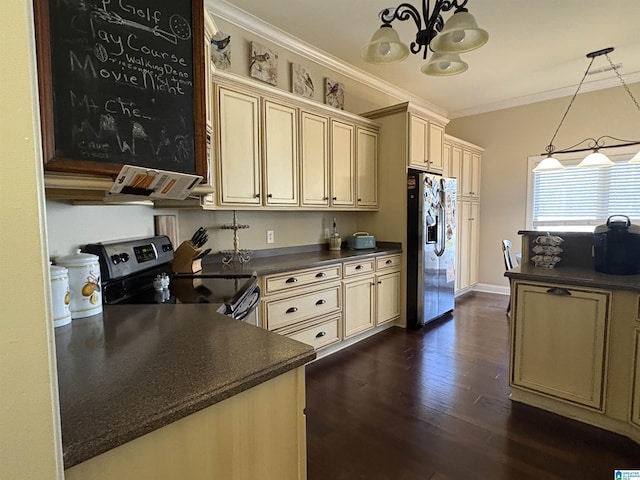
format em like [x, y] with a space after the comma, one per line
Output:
[287, 259]
[586, 277]
[135, 368]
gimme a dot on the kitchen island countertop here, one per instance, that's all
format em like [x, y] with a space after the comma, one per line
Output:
[579, 276]
[136, 368]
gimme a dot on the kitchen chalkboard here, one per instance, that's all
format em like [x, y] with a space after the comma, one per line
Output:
[121, 82]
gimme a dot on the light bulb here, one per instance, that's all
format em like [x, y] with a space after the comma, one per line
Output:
[444, 65]
[384, 49]
[457, 37]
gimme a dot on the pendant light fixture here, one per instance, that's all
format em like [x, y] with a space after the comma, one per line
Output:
[458, 35]
[595, 158]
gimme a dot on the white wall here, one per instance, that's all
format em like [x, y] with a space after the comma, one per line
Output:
[30, 442]
[510, 136]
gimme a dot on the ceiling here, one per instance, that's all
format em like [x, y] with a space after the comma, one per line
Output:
[536, 49]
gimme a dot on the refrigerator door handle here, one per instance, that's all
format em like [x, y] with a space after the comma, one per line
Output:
[441, 243]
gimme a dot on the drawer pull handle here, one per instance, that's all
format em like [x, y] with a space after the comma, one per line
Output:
[321, 275]
[559, 291]
[291, 280]
[322, 301]
[321, 334]
[358, 267]
[292, 310]
[389, 262]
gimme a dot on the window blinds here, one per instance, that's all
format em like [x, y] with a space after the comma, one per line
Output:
[585, 197]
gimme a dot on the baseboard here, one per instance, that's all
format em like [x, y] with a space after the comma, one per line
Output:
[489, 288]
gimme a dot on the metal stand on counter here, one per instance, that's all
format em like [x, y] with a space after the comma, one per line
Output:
[237, 254]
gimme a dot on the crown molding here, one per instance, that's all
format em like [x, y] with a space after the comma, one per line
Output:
[548, 95]
[256, 26]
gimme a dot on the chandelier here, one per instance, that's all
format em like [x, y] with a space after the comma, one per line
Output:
[447, 40]
[594, 145]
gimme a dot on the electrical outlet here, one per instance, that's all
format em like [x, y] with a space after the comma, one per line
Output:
[270, 236]
[327, 233]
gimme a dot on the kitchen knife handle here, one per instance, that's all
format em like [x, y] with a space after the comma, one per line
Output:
[559, 291]
[292, 310]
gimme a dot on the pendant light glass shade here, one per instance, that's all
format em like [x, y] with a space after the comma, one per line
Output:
[460, 34]
[385, 47]
[444, 64]
[549, 164]
[595, 159]
[635, 159]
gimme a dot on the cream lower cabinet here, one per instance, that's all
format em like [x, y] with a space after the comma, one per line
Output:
[359, 304]
[559, 342]
[468, 252]
[387, 289]
[635, 409]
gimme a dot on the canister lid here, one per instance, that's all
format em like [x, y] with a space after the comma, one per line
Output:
[58, 271]
[77, 259]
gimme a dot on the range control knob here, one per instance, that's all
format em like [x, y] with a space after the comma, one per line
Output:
[167, 247]
[115, 259]
[124, 257]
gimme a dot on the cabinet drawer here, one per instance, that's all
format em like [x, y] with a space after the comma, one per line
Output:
[388, 262]
[319, 335]
[288, 311]
[358, 268]
[301, 278]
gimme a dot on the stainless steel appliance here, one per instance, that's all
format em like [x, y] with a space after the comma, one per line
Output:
[138, 271]
[431, 247]
[617, 246]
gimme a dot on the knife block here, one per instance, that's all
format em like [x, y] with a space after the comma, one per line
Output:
[183, 261]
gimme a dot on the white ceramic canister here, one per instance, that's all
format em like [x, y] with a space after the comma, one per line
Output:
[84, 283]
[60, 295]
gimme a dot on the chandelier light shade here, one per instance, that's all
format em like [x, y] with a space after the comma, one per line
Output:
[442, 64]
[458, 35]
[385, 47]
[595, 158]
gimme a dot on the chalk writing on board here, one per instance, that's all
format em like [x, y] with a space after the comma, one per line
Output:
[123, 82]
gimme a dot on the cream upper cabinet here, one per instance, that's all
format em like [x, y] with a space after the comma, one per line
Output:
[239, 148]
[366, 168]
[314, 159]
[342, 164]
[418, 142]
[425, 144]
[470, 185]
[280, 154]
[559, 342]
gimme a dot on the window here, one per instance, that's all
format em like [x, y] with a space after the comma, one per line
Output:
[579, 199]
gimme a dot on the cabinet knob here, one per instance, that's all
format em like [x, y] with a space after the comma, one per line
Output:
[335, 198]
[321, 334]
[292, 310]
[389, 262]
[270, 196]
[379, 282]
[358, 267]
[256, 195]
[291, 280]
[321, 275]
[325, 198]
[359, 200]
[322, 301]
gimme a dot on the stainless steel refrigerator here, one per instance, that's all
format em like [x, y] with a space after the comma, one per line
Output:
[431, 247]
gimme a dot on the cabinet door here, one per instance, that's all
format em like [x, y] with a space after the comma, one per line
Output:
[455, 170]
[446, 153]
[475, 179]
[342, 164]
[464, 244]
[387, 297]
[418, 142]
[358, 305]
[280, 154]
[239, 163]
[314, 162]
[474, 242]
[367, 168]
[559, 342]
[436, 156]
[470, 185]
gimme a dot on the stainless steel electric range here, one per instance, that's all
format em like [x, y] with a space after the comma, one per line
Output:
[138, 271]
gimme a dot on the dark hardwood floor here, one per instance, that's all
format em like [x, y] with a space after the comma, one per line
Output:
[433, 404]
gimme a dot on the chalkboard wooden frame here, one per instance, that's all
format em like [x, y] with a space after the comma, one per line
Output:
[55, 160]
